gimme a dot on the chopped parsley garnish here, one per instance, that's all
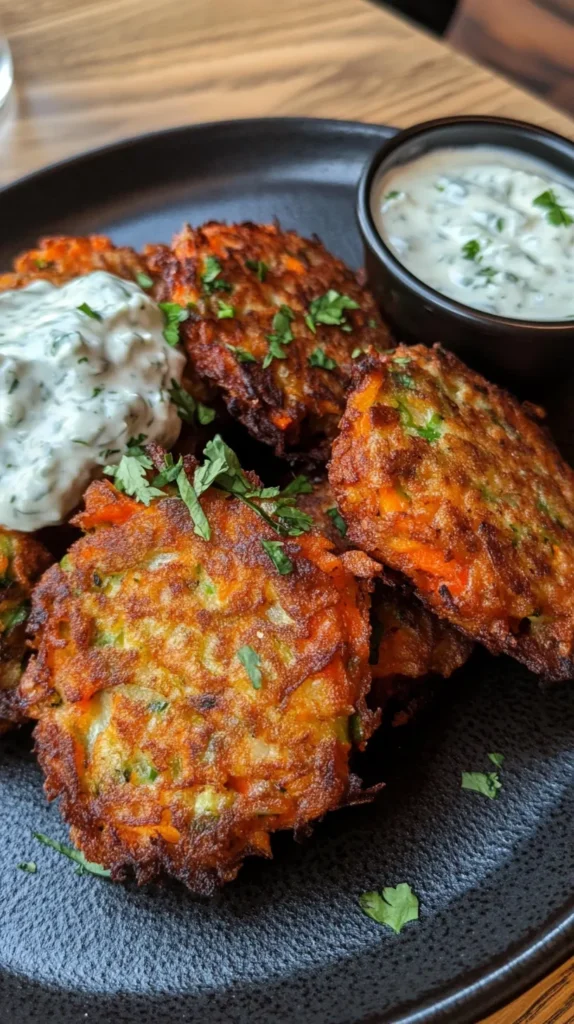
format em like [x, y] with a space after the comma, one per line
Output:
[497, 759]
[12, 617]
[241, 354]
[430, 431]
[274, 548]
[320, 358]
[392, 195]
[282, 335]
[393, 907]
[260, 268]
[130, 476]
[224, 310]
[471, 249]
[299, 485]
[337, 520]
[251, 663]
[404, 380]
[29, 866]
[173, 315]
[356, 353]
[76, 855]
[144, 281]
[96, 392]
[500, 224]
[556, 214]
[84, 308]
[487, 783]
[488, 272]
[211, 279]
[188, 409]
[189, 496]
[330, 309]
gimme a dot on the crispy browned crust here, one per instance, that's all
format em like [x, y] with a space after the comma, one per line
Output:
[22, 561]
[165, 756]
[60, 258]
[475, 507]
[290, 405]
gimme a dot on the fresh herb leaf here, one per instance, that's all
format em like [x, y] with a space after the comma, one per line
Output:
[225, 311]
[556, 214]
[488, 272]
[487, 783]
[29, 866]
[211, 279]
[392, 195]
[188, 495]
[282, 335]
[241, 354]
[188, 408]
[170, 471]
[76, 855]
[299, 485]
[500, 224]
[274, 548]
[319, 358]
[251, 663]
[356, 353]
[497, 759]
[430, 431]
[173, 315]
[293, 521]
[84, 308]
[394, 907]
[130, 477]
[144, 281]
[260, 268]
[404, 380]
[471, 249]
[330, 309]
[96, 392]
[158, 705]
[15, 383]
[12, 617]
[337, 520]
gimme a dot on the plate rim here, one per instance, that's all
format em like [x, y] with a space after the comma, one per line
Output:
[479, 992]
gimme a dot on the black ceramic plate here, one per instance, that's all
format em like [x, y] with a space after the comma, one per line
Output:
[287, 942]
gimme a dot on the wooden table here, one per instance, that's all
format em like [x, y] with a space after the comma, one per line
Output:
[91, 72]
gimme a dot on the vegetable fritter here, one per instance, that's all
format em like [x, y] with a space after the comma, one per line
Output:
[275, 323]
[61, 258]
[22, 561]
[449, 480]
[194, 696]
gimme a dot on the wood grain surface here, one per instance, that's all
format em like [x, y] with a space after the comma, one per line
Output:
[91, 72]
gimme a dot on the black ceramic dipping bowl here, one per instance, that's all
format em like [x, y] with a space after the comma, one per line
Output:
[534, 359]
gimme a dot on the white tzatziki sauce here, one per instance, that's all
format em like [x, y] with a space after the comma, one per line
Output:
[83, 369]
[489, 227]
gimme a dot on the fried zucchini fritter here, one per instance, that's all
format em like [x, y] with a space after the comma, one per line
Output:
[274, 324]
[22, 561]
[192, 699]
[63, 257]
[449, 480]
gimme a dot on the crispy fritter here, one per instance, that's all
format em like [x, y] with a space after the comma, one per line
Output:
[22, 561]
[449, 480]
[192, 700]
[61, 258]
[252, 288]
[408, 645]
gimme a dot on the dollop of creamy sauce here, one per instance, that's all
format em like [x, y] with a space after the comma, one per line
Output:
[83, 369]
[486, 226]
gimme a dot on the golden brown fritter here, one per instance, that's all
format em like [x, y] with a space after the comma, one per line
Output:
[274, 325]
[408, 645]
[449, 480]
[22, 561]
[192, 700]
[63, 257]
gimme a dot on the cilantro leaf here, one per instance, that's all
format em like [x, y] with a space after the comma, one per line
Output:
[292, 519]
[337, 520]
[556, 214]
[329, 309]
[394, 908]
[211, 279]
[356, 353]
[282, 335]
[497, 759]
[199, 518]
[487, 783]
[144, 281]
[500, 224]
[187, 408]
[173, 315]
[260, 268]
[241, 354]
[84, 308]
[12, 617]
[225, 311]
[170, 471]
[319, 358]
[130, 477]
[299, 485]
[392, 195]
[471, 249]
[430, 431]
[274, 548]
[75, 855]
[29, 866]
[251, 663]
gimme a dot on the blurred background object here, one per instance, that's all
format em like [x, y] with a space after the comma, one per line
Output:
[6, 69]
